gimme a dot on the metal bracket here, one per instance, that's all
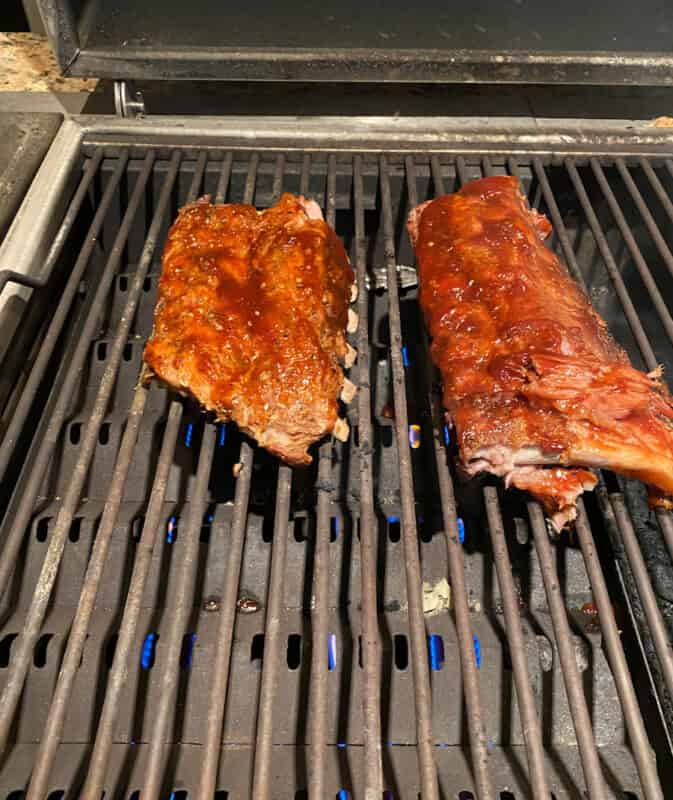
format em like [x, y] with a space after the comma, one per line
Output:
[378, 278]
[129, 101]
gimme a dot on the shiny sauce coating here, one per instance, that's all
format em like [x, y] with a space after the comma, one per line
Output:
[251, 319]
[528, 366]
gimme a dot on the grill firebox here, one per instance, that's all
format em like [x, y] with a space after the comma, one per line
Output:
[170, 628]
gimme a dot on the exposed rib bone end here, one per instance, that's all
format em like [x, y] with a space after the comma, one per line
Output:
[348, 391]
[341, 430]
[354, 292]
[351, 355]
[352, 325]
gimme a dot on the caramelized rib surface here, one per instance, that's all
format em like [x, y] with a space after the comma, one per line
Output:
[251, 319]
[531, 374]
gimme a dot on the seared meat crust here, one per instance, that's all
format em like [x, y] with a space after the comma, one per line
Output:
[251, 319]
[531, 374]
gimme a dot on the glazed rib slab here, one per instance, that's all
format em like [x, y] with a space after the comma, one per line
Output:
[251, 320]
[535, 385]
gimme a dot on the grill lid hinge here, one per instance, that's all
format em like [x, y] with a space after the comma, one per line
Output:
[129, 101]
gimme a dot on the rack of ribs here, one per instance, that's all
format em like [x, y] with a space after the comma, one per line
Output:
[251, 320]
[534, 384]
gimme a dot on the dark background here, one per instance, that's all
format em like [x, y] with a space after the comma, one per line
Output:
[13, 17]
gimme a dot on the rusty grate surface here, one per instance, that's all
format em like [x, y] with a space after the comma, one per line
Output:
[170, 629]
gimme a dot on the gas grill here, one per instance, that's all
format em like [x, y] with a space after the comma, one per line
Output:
[181, 615]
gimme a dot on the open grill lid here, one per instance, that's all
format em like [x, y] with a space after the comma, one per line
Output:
[614, 42]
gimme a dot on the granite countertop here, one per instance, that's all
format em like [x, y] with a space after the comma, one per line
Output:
[27, 64]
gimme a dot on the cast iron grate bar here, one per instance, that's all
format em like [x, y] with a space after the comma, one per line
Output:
[654, 618]
[23, 499]
[529, 720]
[275, 170]
[93, 786]
[606, 615]
[53, 730]
[620, 515]
[371, 697]
[571, 676]
[261, 785]
[186, 585]
[478, 748]
[625, 688]
[627, 694]
[90, 171]
[69, 291]
[666, 524]
[321, 564]
[12, 690]
[645, 589]
[127, 633]
[648, 219]
[428, 774]
[578, 706]
[612, 268]
[225, 176]
[45, 583]
[222, 664]
[639, 261]
[657, 186]
[557, 221]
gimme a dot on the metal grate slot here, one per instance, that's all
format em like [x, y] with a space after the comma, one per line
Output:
[183, 615]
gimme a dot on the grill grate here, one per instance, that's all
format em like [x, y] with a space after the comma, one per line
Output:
[127, 663]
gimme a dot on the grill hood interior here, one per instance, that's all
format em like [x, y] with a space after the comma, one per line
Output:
[610, 42]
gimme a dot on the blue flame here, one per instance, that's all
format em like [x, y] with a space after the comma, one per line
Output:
[436, 650]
